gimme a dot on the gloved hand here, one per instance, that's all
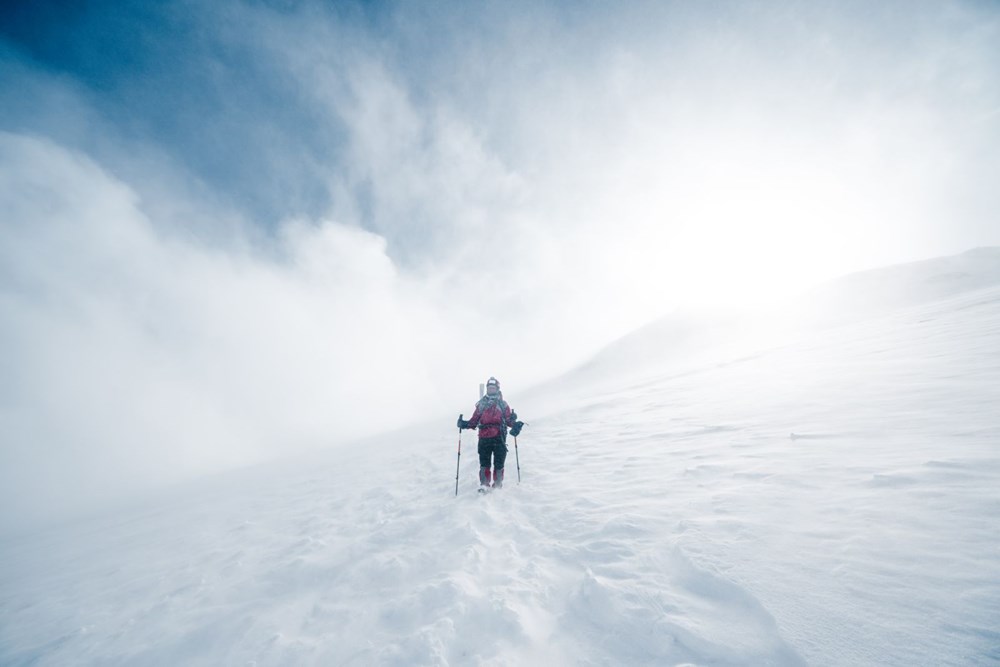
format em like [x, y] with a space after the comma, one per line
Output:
[462, 423]
[513, 416]
[516, 429]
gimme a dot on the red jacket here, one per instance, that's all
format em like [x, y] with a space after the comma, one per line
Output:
[491, 413]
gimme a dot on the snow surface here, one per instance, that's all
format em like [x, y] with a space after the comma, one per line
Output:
[830, 500]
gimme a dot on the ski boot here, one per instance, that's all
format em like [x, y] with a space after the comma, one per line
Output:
[485, 478]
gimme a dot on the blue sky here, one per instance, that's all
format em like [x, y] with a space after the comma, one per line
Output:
[252, 227]
[252, 101]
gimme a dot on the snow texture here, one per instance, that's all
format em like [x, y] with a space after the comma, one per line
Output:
[833, 499]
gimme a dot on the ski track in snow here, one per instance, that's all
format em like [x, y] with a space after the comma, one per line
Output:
[832, 501]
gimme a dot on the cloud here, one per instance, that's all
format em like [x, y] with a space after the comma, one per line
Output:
[131, 356]
[238, 229]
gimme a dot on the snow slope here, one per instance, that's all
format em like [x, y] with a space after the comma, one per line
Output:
[834, 500]
[690, 339]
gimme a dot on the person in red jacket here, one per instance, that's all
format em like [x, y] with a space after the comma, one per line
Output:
[492, 417]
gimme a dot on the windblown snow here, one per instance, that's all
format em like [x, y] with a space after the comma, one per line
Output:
[831, 498]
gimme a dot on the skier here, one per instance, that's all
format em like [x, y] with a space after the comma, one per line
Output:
[492, 416]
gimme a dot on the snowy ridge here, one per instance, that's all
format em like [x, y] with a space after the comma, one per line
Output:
[831, 501]
[689, 340]
[878, 291]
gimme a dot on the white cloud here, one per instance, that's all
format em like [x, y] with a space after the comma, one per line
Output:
[497, 194]
[131, 356]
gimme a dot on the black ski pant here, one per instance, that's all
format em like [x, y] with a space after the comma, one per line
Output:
[494, 447]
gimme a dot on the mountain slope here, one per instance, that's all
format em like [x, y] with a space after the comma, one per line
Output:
[833, 500]
[690, 339]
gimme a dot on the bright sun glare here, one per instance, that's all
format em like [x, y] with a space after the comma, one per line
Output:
[751, 227]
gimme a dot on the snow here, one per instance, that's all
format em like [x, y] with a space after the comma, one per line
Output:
[830, 499]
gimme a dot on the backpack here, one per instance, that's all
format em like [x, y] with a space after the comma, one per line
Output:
[487, 402]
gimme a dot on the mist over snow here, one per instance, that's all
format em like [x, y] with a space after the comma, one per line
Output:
[135, 355]
[830, 498]
[691, 338]
[237, 231]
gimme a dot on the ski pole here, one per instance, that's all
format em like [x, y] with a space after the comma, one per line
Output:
[458, 461]
[518, 460]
